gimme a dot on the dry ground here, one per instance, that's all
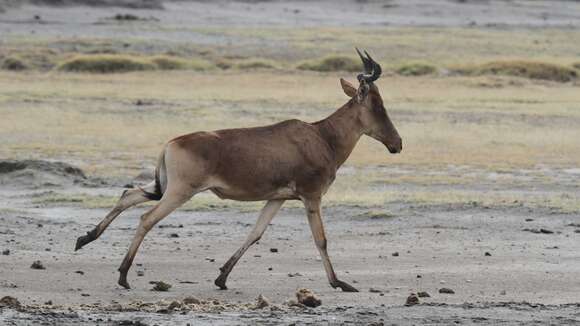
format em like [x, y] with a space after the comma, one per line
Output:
[485, 160]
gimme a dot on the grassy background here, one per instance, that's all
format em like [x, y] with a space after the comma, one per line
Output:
[115, 124]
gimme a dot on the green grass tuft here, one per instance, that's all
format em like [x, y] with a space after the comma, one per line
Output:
[416, 69]
[105, 63]
[332, 63]
[200, 65]
[165, 62]
[576, 65]
[256, 64]
[522, 68]
[161, 286]
[375, 215]
[14, 64]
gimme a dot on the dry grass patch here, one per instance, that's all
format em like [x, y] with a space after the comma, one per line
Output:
[522, 68]
[332, 63]
[104, 63]
[14, 63]
[165, 62]
[110, 63]
[252, 64]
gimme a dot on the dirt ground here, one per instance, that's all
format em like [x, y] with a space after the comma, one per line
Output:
[503, 237]
[506, 265]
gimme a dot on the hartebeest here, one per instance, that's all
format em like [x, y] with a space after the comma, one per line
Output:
[290, 160]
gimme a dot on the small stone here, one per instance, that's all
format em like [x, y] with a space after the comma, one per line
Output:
[262, 302]
[140, 273]
[37, 265]
[395, 254]
[174, 235]
[174, 305]
[6, 252]
[9, 302]
[294, 274]
[546, 231]
[308, 298]
[85, 295]
[529, 220]
[48, 303]
[373, 290]
[273, 249]
[487, 254]
[80, 272]
[446, 290]
[423, 294]
[270, 268]
[412, 300]
[191, 300]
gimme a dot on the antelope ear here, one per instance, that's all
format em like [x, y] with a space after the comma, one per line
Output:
[347, 87]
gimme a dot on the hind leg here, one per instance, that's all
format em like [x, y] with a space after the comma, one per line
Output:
[172, 199]
[128, 199]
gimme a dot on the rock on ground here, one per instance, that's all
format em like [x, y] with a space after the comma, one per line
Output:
[308, 298]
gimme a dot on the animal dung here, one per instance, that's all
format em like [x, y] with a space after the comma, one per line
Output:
[308, 298]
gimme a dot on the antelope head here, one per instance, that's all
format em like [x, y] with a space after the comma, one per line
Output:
[367, 100]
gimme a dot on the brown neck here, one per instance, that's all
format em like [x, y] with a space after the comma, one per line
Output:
[341, 130]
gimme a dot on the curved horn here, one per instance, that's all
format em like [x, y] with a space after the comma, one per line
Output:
[377, 70]
[368, 65]
[372, 70]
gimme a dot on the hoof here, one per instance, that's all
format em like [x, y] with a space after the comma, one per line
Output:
[123, 282]
[83, 240]
[221, 282]
[345, 287]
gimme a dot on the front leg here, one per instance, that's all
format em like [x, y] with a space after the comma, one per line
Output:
[315, 221]
[266, 216]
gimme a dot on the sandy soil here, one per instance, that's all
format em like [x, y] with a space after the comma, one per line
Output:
[496, 260]
[506, 264]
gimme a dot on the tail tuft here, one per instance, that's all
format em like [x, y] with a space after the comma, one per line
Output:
[157, 194]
